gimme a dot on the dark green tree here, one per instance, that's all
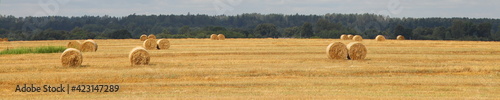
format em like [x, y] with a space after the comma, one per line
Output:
[266, 30]
[439, 33]
[291, 32]
[322, 25]
[401, 30]
[79, 33]
[458, 29]
[120, 34]
[367, 25]
[306, 30]
[484, 30]
[184, 30]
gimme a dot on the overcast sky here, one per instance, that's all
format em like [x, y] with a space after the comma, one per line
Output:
[392, 8]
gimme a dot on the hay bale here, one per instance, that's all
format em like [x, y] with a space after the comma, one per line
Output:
[71, 57]
[151, 36]
[74, 44]
[357, 38]
[1, 39]
[336, 50]
[88, 46]
[380, 38]
[221, 37]
[163, 44]
[139, 56]
[214, 37]
[144, 37]
[400, 37]
[149, 44]
[356, 51]
[6, 39]
[344, 37]
[350, 37]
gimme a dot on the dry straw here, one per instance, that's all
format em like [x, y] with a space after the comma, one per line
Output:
[151, 36]
[400, 37]
[349, 37]
[139, 56]
[214, 37]
[144, 37]
[380, 38]
[88, 46]
[149, 44]
[74, 44]
[336, 50]
[71, 57]
[356, 51]
[357, 38]
[344, 37]
[221, 37]
[163, 44]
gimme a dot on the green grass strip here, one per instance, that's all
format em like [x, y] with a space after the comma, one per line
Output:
[42, 49]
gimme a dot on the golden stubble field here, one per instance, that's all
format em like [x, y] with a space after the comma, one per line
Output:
[264, 69]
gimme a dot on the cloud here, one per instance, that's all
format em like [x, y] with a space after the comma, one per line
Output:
[394, 8]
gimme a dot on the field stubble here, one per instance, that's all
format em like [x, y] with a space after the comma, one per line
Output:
[265, 68]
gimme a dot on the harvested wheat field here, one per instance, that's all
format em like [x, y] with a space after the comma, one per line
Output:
[263, 69]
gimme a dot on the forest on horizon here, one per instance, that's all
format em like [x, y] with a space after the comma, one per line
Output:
[249, 25]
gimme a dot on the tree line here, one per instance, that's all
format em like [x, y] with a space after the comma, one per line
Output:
[249, 25]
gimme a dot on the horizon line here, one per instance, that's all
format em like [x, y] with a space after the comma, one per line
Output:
[388, 16]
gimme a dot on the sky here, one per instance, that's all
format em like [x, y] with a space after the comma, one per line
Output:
[392, 8]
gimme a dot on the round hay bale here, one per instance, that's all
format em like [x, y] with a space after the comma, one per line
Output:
[400, 37]
[356, 51]
[88, 46]
[349, 37]
[1, 39]
[344, 37]
[336, 50]
[163, 44]
[74, 44]
[139, 56]
[151, 36]
[149, 44]
[380, 38]
[214, 37]
[221, 37]
[6, 39]
[144, 37]
[357, 38]
[71, 57]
